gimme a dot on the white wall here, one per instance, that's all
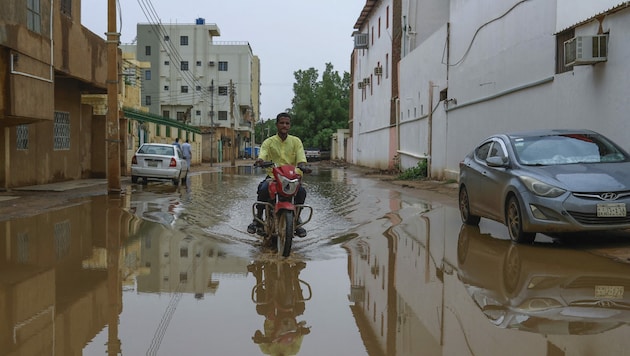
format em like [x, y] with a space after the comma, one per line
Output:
[371, 125]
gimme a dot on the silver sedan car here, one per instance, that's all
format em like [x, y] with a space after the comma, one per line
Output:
[550, 181]
[159, 161]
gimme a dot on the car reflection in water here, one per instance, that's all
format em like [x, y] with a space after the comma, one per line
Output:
[546, 290]
[279, 297]
[156, 207]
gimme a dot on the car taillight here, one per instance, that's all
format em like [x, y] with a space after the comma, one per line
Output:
[173, 163]
[134, 160]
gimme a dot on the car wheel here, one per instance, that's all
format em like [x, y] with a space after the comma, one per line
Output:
[134, 179]
[514, 222]
[464, 208]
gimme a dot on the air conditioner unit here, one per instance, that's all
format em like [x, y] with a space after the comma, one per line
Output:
[366, 81]
[361, 40]
[360, 85]
[582, 50]
[211, 64]
[378, 70]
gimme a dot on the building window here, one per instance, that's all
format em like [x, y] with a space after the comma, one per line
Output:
[560, 39]
[184, 65]
[183, 252]
[223, 66]
[184, 89]
[387, 17]
[183, 40]
[167, 38]
[166, 88]
[198, 112]
[181, 116]
[33, 16]
[147, 75]
[198, 88]
[166, 114]
[223, 90]
[223, 115]
[147, 50]
[61, 131]
[22, 137]
[167, 63]
[147, 100]
[198, 63]
[66, 7]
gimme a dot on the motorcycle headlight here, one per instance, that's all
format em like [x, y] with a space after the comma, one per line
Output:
[289, 186]
[542, 189]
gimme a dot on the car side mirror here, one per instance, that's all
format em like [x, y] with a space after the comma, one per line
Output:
[497, 161]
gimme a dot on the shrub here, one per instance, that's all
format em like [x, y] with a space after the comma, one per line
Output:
[414, 173]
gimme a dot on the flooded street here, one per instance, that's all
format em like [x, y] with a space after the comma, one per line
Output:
[170, 270]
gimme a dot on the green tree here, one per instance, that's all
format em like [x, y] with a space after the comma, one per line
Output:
[320, 107]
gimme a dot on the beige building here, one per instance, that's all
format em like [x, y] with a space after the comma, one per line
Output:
[47, 133]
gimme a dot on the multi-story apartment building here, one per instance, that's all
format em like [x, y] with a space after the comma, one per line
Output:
[207, 84]
[48, 133]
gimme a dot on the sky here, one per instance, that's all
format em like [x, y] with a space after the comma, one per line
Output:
[287, 35]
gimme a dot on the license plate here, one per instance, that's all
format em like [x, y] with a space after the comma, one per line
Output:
[152, 163]
[611, 210]
[610, 292]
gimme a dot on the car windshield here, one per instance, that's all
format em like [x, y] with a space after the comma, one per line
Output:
[565, 149]
[157, 150]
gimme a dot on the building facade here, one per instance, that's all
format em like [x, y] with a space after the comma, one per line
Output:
[214, 86]
[48, 135]
[466, 74]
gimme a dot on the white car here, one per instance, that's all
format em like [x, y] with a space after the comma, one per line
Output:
[159, 161]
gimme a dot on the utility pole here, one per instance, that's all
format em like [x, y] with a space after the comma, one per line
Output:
[212, 133]
[111, 127]
[233, 124]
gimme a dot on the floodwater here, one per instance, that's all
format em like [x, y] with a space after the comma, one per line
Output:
[170, 270]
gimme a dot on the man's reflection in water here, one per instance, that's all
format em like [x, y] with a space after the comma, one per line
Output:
[279, 297]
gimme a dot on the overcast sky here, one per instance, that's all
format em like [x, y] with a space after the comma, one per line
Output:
[287, 35]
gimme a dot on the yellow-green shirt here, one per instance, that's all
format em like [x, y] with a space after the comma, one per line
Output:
[289, 151]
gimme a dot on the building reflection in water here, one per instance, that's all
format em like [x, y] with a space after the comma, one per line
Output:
[59, 280]
[426, 285]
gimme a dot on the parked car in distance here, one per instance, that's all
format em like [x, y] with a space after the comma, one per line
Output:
[550, 181]
[312, 154]
[159, 161]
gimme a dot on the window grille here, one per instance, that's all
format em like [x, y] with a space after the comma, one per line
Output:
[61, 131]
[62, 239]
[223, 66]
[22, 137]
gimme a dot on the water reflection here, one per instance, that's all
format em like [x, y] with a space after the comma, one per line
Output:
[280, 296]
[543, 289]
[59, 277]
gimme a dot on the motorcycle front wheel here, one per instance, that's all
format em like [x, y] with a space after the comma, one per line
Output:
[285, 232]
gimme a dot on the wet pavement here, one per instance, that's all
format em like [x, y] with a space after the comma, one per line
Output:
[386, 269]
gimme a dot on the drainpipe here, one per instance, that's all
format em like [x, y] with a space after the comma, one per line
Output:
[430, 130]
[112, 136]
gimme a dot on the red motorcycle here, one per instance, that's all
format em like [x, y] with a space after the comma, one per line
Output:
[281, 216]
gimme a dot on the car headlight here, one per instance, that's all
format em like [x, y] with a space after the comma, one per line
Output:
[542, 189]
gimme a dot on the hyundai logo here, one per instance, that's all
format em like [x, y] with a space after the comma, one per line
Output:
[608, 196]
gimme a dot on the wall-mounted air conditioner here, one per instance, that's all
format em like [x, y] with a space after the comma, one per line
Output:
[360, 85]
[361, 40]
[211, 64]
[378, 70]
[582, 50]
[366, 81]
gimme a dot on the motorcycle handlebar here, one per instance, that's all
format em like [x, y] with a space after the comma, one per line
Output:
[268, 164]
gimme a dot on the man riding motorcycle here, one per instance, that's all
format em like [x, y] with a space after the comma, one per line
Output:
[281, 149]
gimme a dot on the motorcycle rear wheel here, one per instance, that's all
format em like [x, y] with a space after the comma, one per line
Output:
[285, 232]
